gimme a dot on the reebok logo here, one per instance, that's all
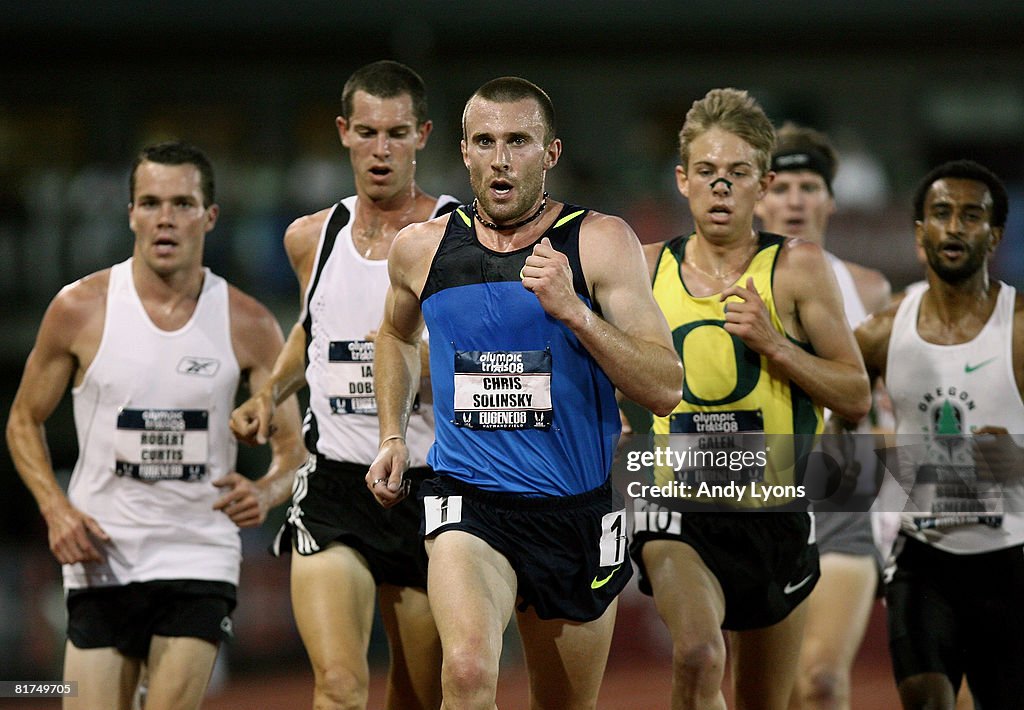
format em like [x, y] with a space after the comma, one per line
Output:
[598, 583]
[968, 368]
[202, 366]
[790, 588]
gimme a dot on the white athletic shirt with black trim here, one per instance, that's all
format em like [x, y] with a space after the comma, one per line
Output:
[940, 393]
[344, 301]
[152, 416]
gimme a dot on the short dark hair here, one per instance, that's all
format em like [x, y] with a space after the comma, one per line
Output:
[965, 170]
[802, 148]
[509, 89]
[176, 153]
[386, 79]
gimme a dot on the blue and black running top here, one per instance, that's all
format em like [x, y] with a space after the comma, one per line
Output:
[520, 405]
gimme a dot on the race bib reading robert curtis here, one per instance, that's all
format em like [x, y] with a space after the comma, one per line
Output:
[503, 390]
[162, 444]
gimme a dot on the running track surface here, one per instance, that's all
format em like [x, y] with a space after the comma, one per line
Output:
[637, 678]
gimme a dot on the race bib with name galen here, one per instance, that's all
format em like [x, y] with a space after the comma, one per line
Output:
[162, 444]
[503, 389]
[712, 439]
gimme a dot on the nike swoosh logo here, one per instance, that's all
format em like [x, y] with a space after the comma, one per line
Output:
[790, 588]
[598, 583]
[971, 368]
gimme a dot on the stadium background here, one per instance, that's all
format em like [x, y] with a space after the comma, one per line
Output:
[898, 86]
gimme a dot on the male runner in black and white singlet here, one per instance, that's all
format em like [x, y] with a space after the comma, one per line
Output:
[349, 549]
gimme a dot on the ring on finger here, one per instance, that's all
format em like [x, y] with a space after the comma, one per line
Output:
[379, 481]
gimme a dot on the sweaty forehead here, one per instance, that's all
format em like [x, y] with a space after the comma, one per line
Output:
[960, 191]
[368, 109]
[160, 178]
[486, 116]
[721, 147]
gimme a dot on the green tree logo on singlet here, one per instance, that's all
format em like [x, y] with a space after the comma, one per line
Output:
[948, 426]
[947, 420]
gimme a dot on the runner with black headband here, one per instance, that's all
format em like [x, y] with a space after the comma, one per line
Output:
[798, 203]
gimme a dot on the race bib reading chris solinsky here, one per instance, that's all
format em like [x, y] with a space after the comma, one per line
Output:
[503, 390]
[162, 444]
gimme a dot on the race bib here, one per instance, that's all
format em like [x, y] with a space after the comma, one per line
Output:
[162, 444]
[503, 390]
[614, 542]
[439, 511]
[350, 377]
[651, 517]
[953, 495]
[718, 447]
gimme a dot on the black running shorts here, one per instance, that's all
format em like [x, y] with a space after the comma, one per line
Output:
[959, 615]
[766, 563]
[569, 553]
[331, 503]
[127, 617]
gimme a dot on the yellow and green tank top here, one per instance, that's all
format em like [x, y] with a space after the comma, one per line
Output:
[740, 420]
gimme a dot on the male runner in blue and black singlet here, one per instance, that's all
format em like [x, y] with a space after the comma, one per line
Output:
[537, 310]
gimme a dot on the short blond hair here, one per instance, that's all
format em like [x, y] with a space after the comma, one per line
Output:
[732, 110]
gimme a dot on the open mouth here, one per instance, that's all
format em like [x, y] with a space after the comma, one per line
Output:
[164, 245]
[380, 171]
[952, 249]
[501, 188]
[719, 213]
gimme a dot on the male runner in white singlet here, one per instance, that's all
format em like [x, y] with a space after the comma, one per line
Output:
[148, 533]
[952, 358]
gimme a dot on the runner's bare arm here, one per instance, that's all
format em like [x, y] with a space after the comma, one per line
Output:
[630, 340]
[48, 370]
[397, 364]
[257, 341]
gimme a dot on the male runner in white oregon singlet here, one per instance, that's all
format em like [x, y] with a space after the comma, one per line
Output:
[952, 358]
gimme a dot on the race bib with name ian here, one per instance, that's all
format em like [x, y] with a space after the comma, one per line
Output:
[503, 390]
[162, 444]
[350, 377]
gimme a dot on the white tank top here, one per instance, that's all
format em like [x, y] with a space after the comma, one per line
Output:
[855, 310]
[152, 415]
[344, 301]
[941, 392]
[864, 451]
